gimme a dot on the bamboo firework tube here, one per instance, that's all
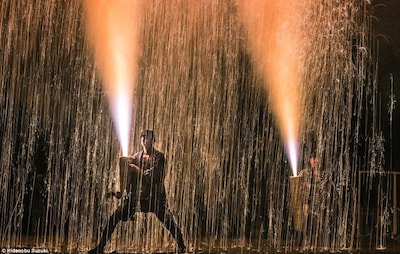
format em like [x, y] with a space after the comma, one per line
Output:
[296, 201]
[125, 175]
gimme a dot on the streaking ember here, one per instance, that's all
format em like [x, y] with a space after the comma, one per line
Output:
[274, 41]
[112, 27]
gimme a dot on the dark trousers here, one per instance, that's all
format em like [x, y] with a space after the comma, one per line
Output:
[129, 207]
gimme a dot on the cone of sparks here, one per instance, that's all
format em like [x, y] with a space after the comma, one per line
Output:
[112, 29]
[274, 38]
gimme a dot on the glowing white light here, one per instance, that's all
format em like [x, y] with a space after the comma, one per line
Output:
[292, 153]
[122, 118]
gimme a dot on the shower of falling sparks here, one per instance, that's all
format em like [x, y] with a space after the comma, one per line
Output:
[59, 156]
[112, 29]
[273, 39]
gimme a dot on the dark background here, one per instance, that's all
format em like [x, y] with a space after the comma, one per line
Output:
[386, 34]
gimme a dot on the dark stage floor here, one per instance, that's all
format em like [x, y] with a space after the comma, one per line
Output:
[27, 245]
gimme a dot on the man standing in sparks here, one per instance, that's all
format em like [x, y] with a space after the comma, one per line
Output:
[145, 192]
[317, 187]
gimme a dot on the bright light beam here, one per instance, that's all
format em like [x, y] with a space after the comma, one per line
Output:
[112, 28]
[292, 152]
[274, 41]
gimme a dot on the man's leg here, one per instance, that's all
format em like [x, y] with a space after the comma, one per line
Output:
[124, 211]
[165, 216]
